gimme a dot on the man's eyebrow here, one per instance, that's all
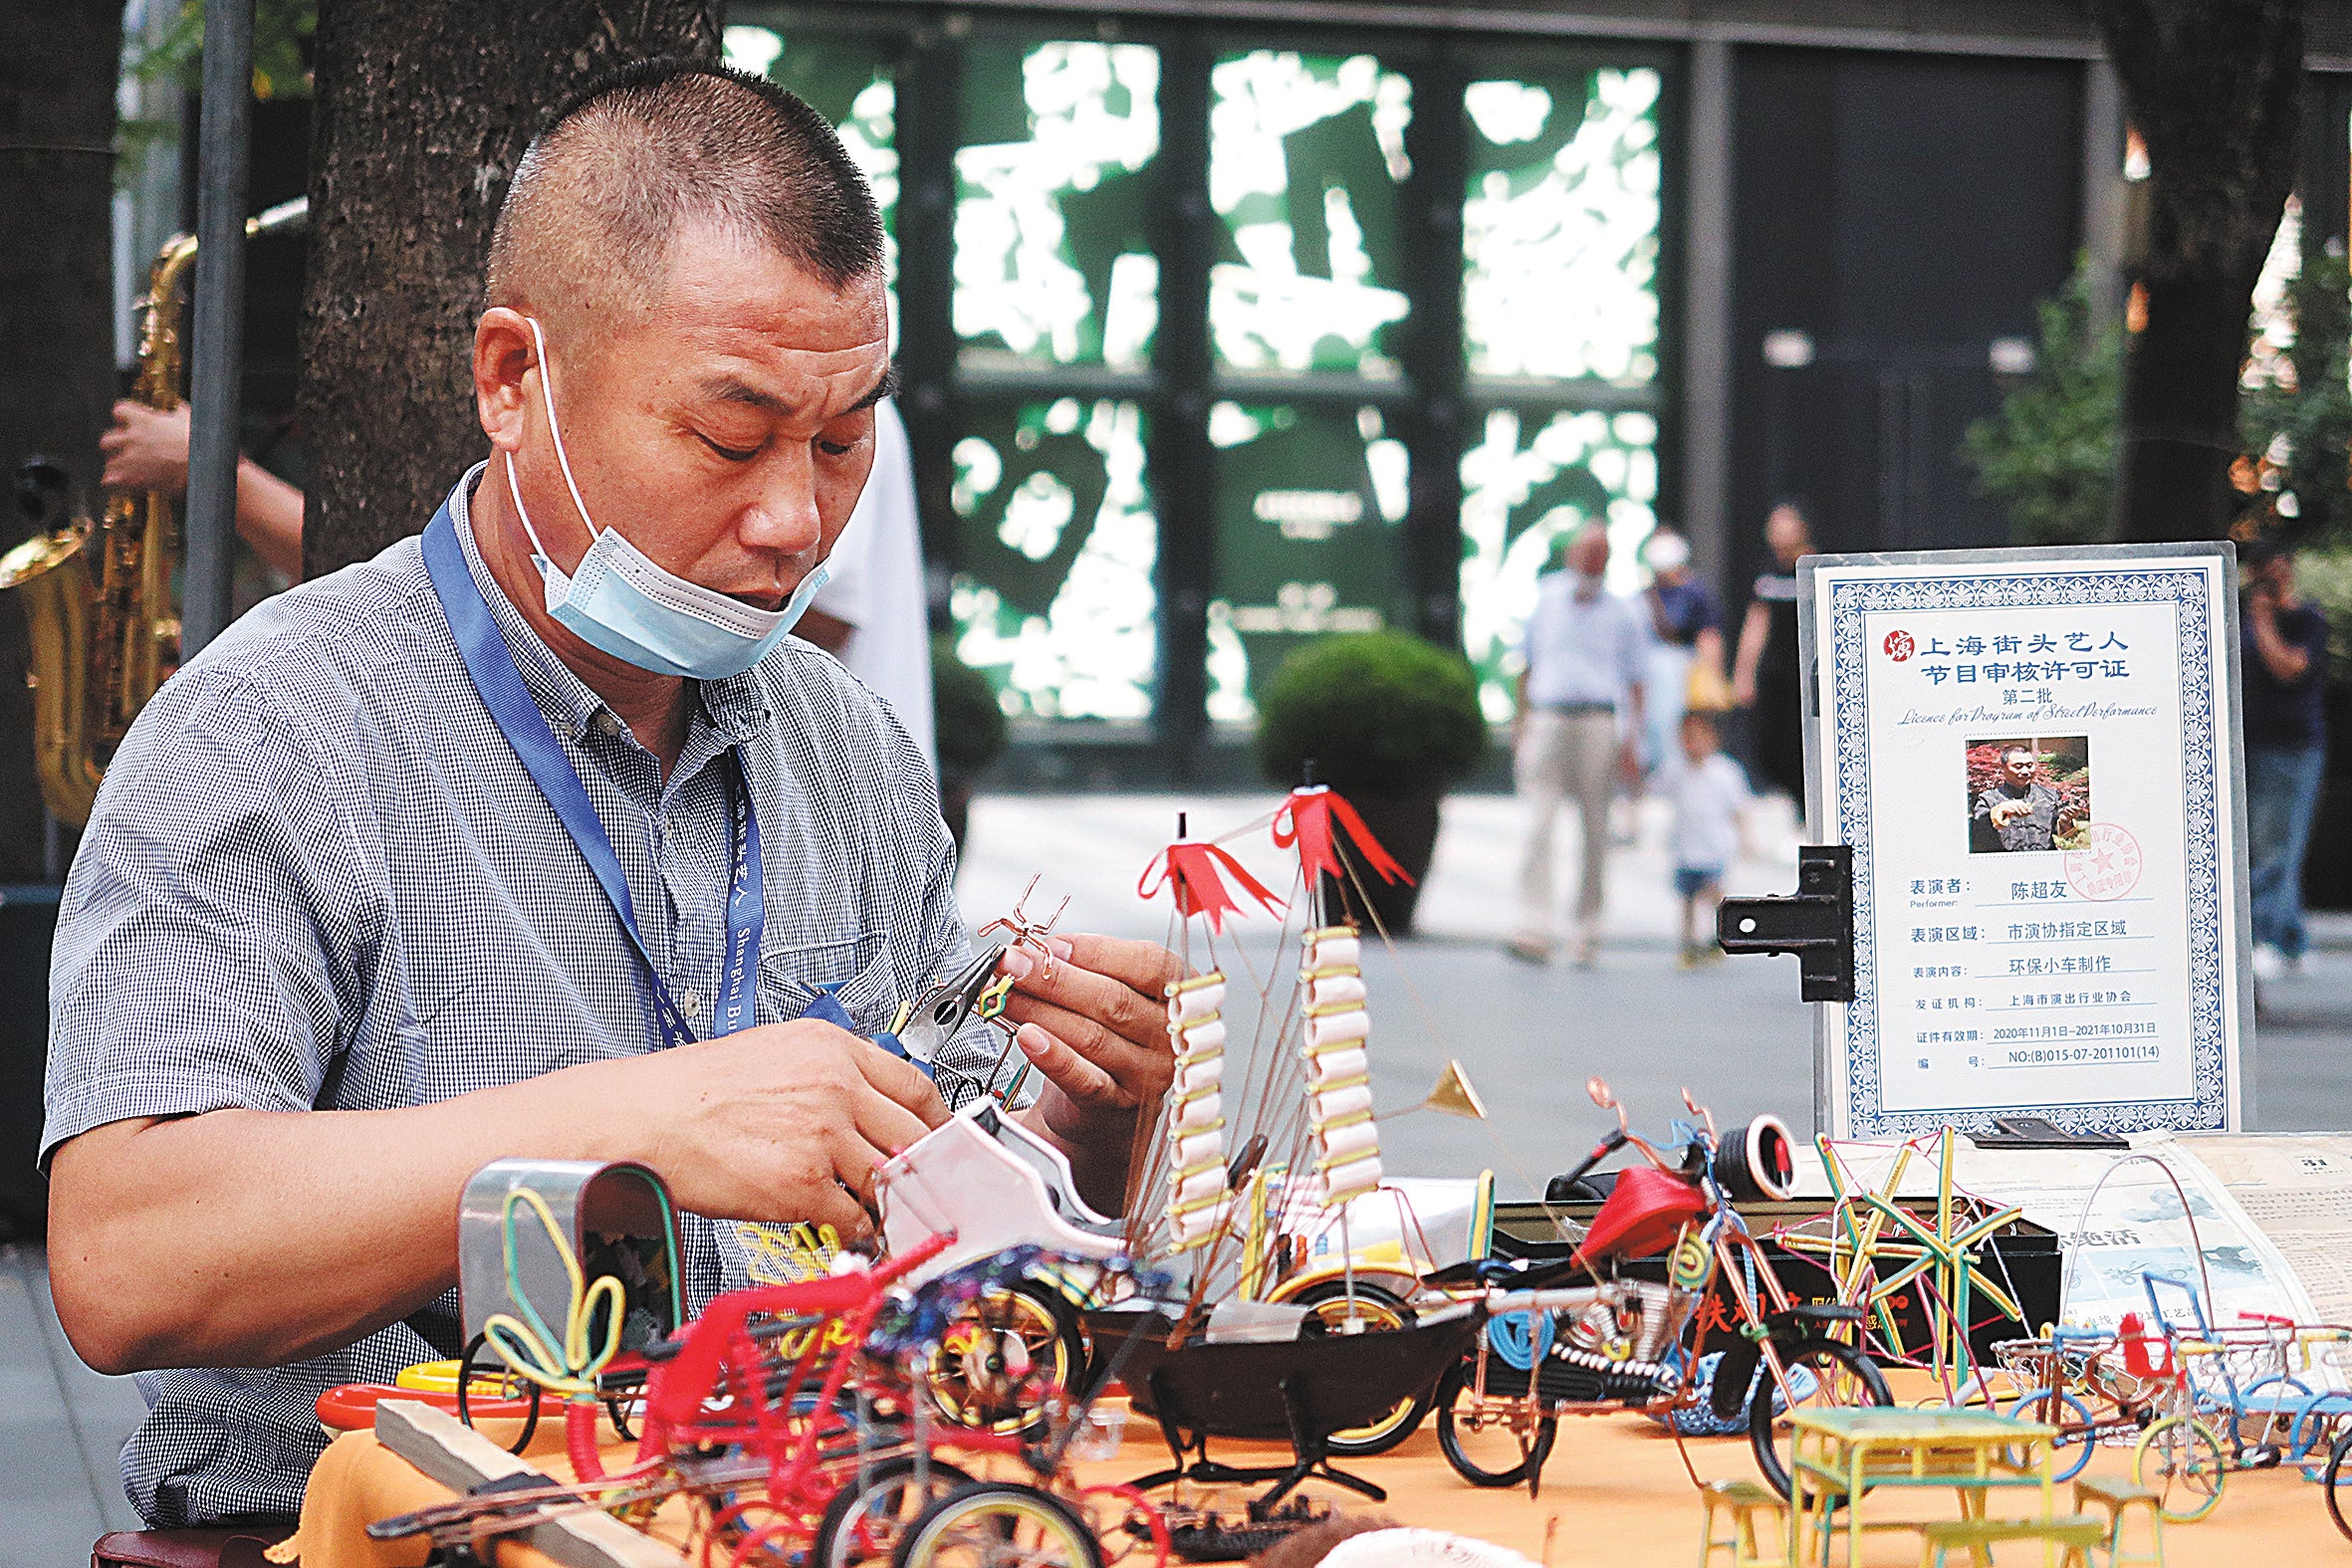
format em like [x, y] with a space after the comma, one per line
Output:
[887, 386]
[728, 389]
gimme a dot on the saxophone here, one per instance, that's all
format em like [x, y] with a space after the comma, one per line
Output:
[103, 640]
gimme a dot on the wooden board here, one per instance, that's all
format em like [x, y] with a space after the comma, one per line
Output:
[461, 1459]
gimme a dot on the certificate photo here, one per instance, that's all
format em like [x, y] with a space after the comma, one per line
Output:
[2028, 794]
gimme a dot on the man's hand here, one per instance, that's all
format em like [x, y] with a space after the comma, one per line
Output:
[783, 1122]
[1096, 1028]
[147, 449]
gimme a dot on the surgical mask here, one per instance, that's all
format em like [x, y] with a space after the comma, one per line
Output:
[617, 601]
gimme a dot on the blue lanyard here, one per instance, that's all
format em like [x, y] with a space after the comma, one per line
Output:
[500, 685]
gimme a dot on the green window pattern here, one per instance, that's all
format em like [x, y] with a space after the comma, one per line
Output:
[1055, 602]
[1052, 263]
[1528, 479]
[1307, 154]
[1308, 505]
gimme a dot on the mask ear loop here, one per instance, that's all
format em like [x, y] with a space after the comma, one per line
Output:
[546, 392]
[522, 510]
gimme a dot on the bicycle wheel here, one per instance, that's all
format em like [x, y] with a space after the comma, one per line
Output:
[1821, 1373]
[997, 1524]
[2078, 1432]
[1487, 1441]
[2339, 1479]
[2267, 1411]
[1377, 1310]
[2318, 1425]
[1000, 1355]
[866, 1517]
[2179, 1460]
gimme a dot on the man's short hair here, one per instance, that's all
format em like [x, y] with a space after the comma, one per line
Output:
[2025, 752]
[634, 157]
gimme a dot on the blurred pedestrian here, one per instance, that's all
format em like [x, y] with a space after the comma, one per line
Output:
[1579, 713]
[1766, 678]
[872, 614]
[1686, 649]
[2283, 655]
[1710, 798]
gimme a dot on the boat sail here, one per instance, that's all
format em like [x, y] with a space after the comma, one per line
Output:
[1346, 1140]
[1200, 1200]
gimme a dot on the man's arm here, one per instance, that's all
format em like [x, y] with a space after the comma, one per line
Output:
[217, 955]
[1633, 669]
[257, 1237]
[1755, 631]
[2286, 662]
[147, 449]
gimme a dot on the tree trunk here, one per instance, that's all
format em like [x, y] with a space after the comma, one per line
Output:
[2215, 88]
[58, 69]
[2180, 398]
[423, 108]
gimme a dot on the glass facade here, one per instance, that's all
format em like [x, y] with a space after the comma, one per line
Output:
[1052, 263]
[1560, 228]
[1181, 274]
[1559, 301]
[1308, 504]
[1530, 478]
[1306, 156]
[1059, 542]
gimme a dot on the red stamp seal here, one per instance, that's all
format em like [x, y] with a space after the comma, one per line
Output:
[2106, 867]
[1899, 645]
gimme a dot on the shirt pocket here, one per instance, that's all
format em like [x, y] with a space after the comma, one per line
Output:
[856, 968]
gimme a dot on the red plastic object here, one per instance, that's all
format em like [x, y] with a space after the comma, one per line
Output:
[1644, 1212]
[2138, 1342]
[351, 1407]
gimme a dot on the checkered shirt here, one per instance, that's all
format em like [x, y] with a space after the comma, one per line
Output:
[318, 877]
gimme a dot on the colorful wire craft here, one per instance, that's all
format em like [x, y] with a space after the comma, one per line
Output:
[1938, 1260]
[567, 1365]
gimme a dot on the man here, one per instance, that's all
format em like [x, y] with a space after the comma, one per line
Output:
[535, 836]
[2019, 813]
[2283, 655]
[871, 613]
[1579, 711]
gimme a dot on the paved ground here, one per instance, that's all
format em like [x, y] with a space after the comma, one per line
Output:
[1734, 1031]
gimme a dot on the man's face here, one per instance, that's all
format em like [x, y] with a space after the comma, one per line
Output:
[1786, 535]
[1588, 554]
[727, 432]
[2017, 769]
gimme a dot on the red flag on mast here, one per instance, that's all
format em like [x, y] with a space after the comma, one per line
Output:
[1305, 820]
[1188, 869]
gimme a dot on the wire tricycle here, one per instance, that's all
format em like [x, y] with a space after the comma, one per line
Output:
[1632, 1343]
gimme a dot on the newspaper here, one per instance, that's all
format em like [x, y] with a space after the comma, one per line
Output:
[2297, 1189]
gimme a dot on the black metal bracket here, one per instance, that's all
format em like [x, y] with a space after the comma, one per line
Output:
[1816, 923]
[2039, 1132]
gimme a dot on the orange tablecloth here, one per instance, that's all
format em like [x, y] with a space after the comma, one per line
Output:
[1614, 1496]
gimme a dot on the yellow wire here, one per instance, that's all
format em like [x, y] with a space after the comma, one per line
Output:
[572, 1370]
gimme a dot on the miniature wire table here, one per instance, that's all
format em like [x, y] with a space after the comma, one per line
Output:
[1842, 1453]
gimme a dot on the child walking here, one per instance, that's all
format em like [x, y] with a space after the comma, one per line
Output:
[1710, 796]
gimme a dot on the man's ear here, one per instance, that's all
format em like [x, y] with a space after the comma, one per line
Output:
[503, 350]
